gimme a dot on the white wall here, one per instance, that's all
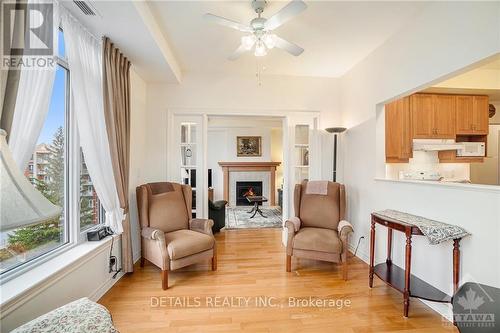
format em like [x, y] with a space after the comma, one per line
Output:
[89, 277]
[443, 39]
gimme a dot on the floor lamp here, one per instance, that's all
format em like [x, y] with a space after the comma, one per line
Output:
[335, 131]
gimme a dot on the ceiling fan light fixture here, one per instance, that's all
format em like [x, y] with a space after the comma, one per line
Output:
[260, 49]
[248, 41]
[269, 40]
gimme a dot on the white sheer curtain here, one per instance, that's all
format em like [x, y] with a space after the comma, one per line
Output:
[33, 99]
[84, 54]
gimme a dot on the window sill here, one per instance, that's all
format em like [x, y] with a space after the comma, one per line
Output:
[461, 186]
[21, 288]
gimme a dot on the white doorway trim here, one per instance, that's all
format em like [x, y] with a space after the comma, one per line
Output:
[289, 119]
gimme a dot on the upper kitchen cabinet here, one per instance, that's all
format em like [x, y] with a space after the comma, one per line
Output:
[472, 115]
[422, 114]
[398, 141]
[480, 115]
[433, 116]
[444, 116]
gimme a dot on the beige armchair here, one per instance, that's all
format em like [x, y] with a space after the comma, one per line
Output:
[318, 230]
[171, 239]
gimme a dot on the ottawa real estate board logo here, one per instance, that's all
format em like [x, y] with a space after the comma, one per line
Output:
[475, 309]
[27, 35]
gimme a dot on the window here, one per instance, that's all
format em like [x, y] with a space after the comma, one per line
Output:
[57, 169]
[48, 172]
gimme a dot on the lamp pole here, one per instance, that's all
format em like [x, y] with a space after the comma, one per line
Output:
[335, 131]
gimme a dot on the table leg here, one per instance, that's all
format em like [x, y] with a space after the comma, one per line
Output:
[255, 209]
[261, 213]
[372, 253]
[389, 246]
[456, 264]
[406, 293]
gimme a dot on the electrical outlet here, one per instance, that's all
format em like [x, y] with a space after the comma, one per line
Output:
[112, 264]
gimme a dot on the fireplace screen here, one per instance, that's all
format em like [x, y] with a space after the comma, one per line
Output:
[244, 189]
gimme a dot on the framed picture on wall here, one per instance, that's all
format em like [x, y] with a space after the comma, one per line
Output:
[249, 146]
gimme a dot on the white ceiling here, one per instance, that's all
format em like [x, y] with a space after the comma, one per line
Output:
[335, 35]
[120, 21]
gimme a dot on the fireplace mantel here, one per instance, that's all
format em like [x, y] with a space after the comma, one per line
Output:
[228, 167]
[246, 165]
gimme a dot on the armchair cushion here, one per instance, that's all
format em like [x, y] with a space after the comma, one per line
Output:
[201, 225]
[183, 243]
[317, 239]
[167, 211]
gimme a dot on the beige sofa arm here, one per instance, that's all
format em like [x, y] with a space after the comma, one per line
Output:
[202, 225]
[153, 244]
[345, 228]
[292, 225]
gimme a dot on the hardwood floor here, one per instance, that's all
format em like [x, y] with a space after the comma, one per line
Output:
[252, 264]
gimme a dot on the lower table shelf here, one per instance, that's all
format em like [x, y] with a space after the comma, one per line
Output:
[395, 277]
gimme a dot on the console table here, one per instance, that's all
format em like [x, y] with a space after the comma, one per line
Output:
[400, 279]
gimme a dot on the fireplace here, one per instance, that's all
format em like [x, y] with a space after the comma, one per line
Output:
[244, 189]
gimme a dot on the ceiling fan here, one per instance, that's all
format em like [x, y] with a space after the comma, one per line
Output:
[260, 30]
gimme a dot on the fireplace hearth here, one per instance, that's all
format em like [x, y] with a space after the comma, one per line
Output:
[244, 189]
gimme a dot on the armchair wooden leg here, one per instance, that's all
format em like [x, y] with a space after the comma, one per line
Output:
[142, 261]
[288, 263]
[214, 262]
[164, 279]
[344, 268]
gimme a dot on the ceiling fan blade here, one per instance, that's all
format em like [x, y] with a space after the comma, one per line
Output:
[237, 53]
[227, 22]
[286, 13]
[288, 46]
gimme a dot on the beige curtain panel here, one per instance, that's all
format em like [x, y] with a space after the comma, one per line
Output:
[116, 86]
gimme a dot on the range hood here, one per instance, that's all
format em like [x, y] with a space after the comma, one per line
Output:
[436, 145]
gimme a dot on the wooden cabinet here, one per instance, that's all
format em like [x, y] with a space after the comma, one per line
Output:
[472, 115]
[398, 140]
[444, 116]
[422, 114]
[480, 115]
[464, 115]
[433, 116]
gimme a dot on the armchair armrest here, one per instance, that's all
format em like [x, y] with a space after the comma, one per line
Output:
[154, 242]
[292, 225]
[202, 225]
[345, 228]
[152, 233]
